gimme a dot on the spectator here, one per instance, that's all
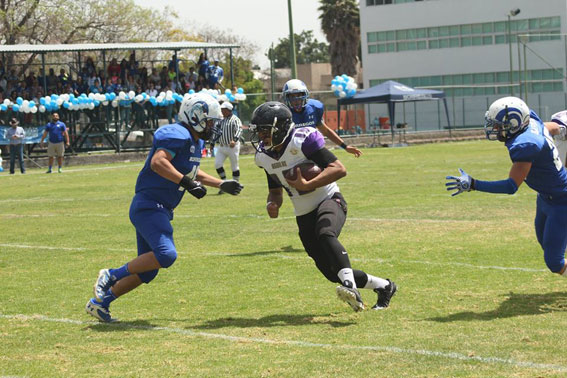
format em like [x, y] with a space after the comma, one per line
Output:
[133, 66]
[90, 67]
[57, 134]
[16, 135]
[30, 78]
[174, 63]
[125, 110]
[113, 70]
[143, 79]
[203, 68]
[123, 69]
[52, 81]
[163, 76]
[172, 79]
[155, 78]
[215, 75]
[191, 78]
[63, 77]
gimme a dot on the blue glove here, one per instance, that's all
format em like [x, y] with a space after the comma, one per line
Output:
[463, 183]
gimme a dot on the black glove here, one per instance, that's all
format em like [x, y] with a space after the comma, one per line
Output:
[193, 187]
[231, 187]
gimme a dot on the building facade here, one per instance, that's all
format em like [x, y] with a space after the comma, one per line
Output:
[474, 50]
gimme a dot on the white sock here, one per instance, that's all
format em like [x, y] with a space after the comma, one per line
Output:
[375, 282]
[346, 274]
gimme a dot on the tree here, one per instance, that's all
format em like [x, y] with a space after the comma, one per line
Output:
[340, 21]
[64, 22]
[309, 50]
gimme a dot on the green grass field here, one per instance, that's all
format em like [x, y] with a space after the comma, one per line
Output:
[243, 298]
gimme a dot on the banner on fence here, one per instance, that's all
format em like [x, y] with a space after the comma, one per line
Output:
[33, 134]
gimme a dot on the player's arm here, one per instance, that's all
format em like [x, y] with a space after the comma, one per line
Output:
[333, 170]
[555, 128]
[275, 197]
[66, 135]
[465, 183]
[43, 138]
[228, 186]
[161, 164]
[336, 139]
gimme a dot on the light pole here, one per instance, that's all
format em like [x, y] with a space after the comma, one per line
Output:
[292, 58]
[513, 12]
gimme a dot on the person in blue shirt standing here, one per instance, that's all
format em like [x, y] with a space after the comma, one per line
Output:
[535, 160]
[57, 135]
[215, 75]
[171, 169]
[307, 112]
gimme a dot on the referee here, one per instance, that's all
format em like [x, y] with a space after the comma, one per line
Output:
[230, 128]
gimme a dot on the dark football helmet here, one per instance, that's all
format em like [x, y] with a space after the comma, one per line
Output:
[270, 124]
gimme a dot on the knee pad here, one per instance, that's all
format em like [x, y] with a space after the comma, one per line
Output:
[555, 264]
[166, 258]
[147, 277]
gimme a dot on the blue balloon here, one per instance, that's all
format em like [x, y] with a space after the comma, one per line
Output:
[191, 91]
[19, 101]
[54, 97]
[351, 92]
[32, 104]
[96, 102]
[3, 107]
[42, 101]
[16, 107]
[240, 90]
[66, 104]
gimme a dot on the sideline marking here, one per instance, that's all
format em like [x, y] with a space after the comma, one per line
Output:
[307, 344]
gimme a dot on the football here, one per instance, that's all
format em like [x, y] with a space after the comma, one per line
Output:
[308, 171]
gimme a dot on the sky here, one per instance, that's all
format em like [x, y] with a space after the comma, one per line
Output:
[260, 21]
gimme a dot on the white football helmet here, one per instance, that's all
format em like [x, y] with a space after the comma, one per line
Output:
[293, 87]
[200, 112]
[506, 118]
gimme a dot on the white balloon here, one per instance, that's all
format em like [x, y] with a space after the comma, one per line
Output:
[342, 94]
[7, 102]
[34, 109]
[131, 94]
[139, 98]
[114, 103]
[105, 103]
[59, 101]
[91, 105]
[91, 95]
[25, 104]
[121, 95]
[42, 109]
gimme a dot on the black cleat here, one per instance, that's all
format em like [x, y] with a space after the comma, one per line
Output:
[350, 296]
[384, 296]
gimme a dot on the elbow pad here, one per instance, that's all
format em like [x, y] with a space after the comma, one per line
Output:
[503, 186]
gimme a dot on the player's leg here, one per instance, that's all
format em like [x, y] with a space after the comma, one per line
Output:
[233, 156]
[219, 161]
[331, 218]
[60, 153]
[554, 236]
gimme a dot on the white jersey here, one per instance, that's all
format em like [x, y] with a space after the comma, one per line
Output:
[304, 140]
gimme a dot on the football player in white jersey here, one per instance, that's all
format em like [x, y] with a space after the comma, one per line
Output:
[319, 207]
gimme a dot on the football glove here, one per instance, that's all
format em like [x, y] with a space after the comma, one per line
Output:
[231, 187]
[193, 187]
[463, 183]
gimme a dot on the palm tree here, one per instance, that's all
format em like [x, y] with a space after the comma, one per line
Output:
[340, 21]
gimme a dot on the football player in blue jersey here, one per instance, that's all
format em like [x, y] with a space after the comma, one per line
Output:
[309, 112]
[535, 160]
[171, 169]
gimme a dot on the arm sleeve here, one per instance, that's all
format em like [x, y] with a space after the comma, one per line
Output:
[322, 157]
[503, 186]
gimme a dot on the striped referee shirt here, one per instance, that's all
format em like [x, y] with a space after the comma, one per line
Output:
[230, 130]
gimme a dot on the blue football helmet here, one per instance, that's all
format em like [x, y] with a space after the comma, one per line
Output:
[506, 118]
[295, 94]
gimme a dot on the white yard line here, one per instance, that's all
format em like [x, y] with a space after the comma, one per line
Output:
[306, 344]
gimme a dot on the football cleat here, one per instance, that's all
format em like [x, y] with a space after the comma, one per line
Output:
[98, 311]
[384, 295]
[102, 284]
[351, 296]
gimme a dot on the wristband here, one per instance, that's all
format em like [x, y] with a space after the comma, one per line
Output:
[343, 146]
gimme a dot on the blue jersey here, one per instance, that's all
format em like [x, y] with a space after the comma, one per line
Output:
[547, 175]
[311, 115]
[55, 131]
[186, 152]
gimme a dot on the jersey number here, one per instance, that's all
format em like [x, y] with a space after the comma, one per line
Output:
[556, 159]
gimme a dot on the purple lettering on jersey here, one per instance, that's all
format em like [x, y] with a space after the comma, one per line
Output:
[313, 143]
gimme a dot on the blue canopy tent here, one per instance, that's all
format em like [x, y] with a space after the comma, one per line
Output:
[391, 92]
